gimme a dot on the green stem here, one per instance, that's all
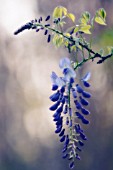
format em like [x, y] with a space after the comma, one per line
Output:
[69, 102]
[70, 39]
[84, 46]
[82, 62]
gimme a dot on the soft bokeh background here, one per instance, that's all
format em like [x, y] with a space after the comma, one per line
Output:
[27, 139]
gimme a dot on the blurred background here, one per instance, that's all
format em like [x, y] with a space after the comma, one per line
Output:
[27, 139]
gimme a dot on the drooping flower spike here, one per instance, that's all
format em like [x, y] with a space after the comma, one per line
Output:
[69, 109]
[37, 25]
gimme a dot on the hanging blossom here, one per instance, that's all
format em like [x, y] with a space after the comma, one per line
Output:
[69, 109]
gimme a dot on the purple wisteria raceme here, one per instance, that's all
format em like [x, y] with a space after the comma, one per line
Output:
[70, 101]
[37, 25]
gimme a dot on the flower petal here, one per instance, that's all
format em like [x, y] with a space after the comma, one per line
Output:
[85, 121]
[84, 111]
[82, 135]
[86, 84]
[47, 18]
[67, 140]
[86, 94]
[78, 105]
[79, 88]
[64, 63]
[81, 143]
[65, 109]
[74, 93]
[83, 101]
[60, 109]
[53, 77]
[65, 155]
[54, 87]
[54, 107]
[71, 165]
[77, 156]
[87, 76]
[54, 97]
[68, 74]
[62, 133]
[62, 139]
[58, 130]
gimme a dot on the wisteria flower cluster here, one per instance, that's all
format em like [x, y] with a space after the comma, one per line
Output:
[69, 108]
[70, 96]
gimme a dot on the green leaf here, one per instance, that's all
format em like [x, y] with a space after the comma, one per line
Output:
[67, 34]
[71, 16]
[61, 23]
[59, 11]
[110, 49]
[100, 21]
[102, 13]
[100, 16]
[73, 48]
[85, 29]
[70, 29]
[85, 18]
[76, 29]
[64, 10]
[83, 21]
[58, 40]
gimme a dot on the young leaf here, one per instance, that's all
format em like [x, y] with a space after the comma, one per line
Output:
[102, 13]
[110, 49]
[99, 20]
[57, 13]
[73, 48]
[67, 34]
[61, 23]
[100, 16]
[71, 16]
[85, 29]
[76, 29]
[58, 40]
[85, 18]
[64, 10]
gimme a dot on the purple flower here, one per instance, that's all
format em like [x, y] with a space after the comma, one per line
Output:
[55, 106]
[65, 63]
[46, 31]
[65, 155]
[47, 18]
[86, 94]
[84, 111]
[54, 97]
[85, 79]
[79, 88]
[62, 139]
[69, 73]
[54, 87]
[67, 92]
[57, 80]
[71, 165]
[49, 38]
[83, 101]
[62, 133]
